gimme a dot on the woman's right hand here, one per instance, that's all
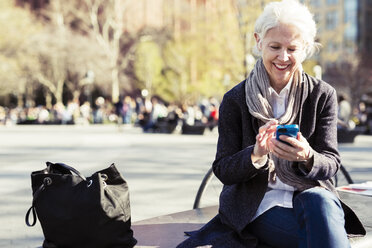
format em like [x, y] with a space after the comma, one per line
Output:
[263, 138]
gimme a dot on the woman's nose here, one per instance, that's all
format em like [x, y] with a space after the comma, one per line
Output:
[283, 55]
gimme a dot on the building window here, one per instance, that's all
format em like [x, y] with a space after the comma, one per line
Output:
[317, 17]
[332, 47]
[350, 20]
[331, 20]
[332, 2]
[368, 21]
[315, 3]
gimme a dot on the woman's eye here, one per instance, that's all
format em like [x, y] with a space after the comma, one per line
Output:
[275, 47]
[291, 49]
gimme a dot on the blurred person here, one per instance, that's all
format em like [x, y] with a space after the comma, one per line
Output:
[43, 115]
[71, 110]
[344, 111]
[213, 117]
[158, 111]
[98, 111]
[85, 112]
[361, 114]
[127, 110]
[3, 115]
[278, 194]
[58, 113]
[188, 114]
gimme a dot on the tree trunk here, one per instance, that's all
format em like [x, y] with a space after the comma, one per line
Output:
[115, 85]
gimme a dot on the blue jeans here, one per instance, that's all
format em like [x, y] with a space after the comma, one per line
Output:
[315, 221]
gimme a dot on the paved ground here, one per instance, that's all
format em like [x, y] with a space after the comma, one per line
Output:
[163, 171]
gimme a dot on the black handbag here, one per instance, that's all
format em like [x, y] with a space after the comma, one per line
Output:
[80, 212]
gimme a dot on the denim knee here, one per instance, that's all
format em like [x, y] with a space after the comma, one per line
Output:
[319, 202]
[320, 218]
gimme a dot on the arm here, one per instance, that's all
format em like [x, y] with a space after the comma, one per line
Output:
[326, 159]
[233, 162]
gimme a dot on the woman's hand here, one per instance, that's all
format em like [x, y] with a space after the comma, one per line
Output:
[298, 150]
[263, 138]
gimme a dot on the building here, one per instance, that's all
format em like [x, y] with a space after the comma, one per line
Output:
[343, 29]
[365, 27]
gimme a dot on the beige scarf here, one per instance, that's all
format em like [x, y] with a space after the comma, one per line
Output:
[257, 99]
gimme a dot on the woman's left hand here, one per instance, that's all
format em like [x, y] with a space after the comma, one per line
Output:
[298, 150]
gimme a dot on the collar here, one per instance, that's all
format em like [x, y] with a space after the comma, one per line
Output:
[283, 93]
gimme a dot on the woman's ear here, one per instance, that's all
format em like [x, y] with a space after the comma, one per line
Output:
[258, 41]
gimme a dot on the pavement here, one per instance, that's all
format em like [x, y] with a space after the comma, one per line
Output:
[163, 171]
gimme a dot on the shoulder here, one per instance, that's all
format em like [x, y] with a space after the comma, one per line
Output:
[236, 94]
[234, 104]
[321, 94]
[319, 87]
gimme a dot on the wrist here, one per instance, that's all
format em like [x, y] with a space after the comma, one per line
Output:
[310, 154]
[256, 157]
[308, 163]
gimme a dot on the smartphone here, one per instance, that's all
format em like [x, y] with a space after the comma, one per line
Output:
[289, 130]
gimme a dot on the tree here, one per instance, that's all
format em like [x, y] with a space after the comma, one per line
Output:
[59, 61]
[103, 20]
[148, 66]
[199, 57]
[247, 12]
[353, 77]
[107, 25]
[16, 27]
[58, 56]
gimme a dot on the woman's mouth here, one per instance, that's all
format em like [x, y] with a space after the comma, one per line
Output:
[281, 67]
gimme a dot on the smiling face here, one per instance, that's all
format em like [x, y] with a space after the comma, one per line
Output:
[282, 53]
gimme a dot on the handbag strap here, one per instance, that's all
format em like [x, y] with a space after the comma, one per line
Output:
[42, 187]
[32, 208]
[27, 219]
[68, 168]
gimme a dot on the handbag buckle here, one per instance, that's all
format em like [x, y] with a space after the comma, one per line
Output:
[104, 178]
[47, 181]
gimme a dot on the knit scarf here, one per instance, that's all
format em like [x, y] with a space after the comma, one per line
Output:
[257, 99]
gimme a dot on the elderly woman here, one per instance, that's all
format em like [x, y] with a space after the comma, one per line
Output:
[275, 193]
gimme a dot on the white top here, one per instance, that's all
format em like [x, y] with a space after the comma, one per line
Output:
[281, 194]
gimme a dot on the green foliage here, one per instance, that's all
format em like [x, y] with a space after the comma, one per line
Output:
[308, 66]
[148, 66]
[16, 27]
[177, 72]
[199, 60]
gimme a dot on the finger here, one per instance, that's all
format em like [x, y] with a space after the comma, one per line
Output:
[292, 141]
[306, 148]
[285, 151]
[271, 125]
[300, 137]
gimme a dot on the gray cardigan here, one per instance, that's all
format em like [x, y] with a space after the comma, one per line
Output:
[244, 185]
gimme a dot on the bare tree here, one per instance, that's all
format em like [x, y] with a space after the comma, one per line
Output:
[106, 23]
[352, 76]
[16, 26]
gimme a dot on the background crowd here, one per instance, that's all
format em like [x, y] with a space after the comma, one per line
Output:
[153, 115]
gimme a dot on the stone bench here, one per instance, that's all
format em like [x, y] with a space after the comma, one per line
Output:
[167, 231]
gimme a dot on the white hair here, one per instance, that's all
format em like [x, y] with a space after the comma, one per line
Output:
[288, 12]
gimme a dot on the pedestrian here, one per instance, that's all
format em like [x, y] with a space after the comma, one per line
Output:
[277, 194]
[344, 112]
